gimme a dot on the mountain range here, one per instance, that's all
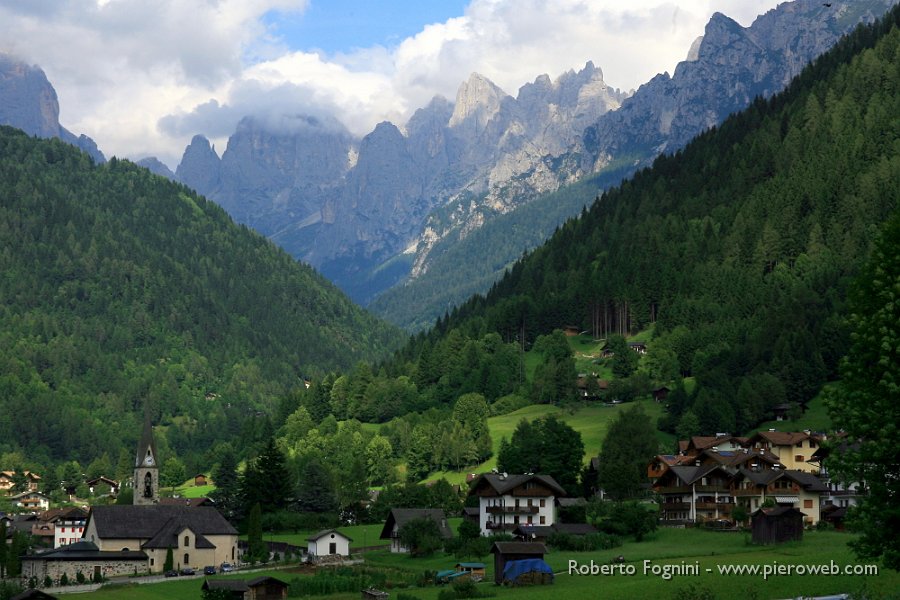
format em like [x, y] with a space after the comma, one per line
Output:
[386, 211]
[369, 212]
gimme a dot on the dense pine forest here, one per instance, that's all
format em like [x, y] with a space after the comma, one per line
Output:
[124, 293]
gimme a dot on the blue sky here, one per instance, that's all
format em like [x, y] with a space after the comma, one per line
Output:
[342, 25]
[142, 77]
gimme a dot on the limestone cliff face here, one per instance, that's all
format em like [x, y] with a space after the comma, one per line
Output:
[726, 68]
[509, 147]
[274, 177]
[29, 102]
[200, 166]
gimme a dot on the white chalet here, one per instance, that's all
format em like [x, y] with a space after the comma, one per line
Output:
[507, 501]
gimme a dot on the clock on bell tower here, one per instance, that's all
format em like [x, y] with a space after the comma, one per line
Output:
[146, 471]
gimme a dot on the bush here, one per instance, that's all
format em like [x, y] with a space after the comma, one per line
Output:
[422, 536]
[64, 580]
[628, 518]
[508, 404]
[694, 592]
[47, 581]
[79, 577]
[583, 543]
[463, 589]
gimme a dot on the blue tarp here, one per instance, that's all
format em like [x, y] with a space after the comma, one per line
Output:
[514, 568]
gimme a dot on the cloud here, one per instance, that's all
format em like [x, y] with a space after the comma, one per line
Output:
[143, 76]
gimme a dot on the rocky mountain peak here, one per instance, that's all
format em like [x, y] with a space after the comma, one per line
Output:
[29, 102]
[478, 100]
[200, 166]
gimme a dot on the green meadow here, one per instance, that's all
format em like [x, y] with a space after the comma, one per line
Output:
[702, 551]
[590, 420]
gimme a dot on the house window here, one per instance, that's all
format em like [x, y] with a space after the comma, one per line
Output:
[187, 541]
[543, 502]
[543, 520]
[807, 504]
[798, 458]
[187, 559]
[151, 562]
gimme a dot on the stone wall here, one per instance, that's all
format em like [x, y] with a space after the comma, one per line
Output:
[40, 569]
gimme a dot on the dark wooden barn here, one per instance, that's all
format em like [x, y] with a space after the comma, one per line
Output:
[506, 551]
[777, 525]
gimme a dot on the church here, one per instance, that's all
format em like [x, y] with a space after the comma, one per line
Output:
[198, 536]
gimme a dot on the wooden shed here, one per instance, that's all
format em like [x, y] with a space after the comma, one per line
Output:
[234, 588]
[505, 552]
[474, 569]
[33, 595]
[777, 525]
[267, 588]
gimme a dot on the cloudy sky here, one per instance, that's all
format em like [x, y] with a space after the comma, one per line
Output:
[141, 77]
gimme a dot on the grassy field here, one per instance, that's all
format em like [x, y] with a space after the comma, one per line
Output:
[591, 421]
[704, 551]
[363, 536]
[814, 418]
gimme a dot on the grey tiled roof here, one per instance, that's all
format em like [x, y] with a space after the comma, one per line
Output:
[147, 522]
[506, 483]
[401, 516]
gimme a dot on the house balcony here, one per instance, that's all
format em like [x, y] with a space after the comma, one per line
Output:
[681, 489]
[501, 526]
[744, 493]
[671, 506]
[722, 507]
[513, 510]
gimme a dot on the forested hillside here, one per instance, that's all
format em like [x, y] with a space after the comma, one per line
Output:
[463, 266]
[123, 291]
[738, 249]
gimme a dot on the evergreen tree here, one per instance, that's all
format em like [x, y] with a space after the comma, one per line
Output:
[866, 404]
[257, 551]
[625, 360]
[545, 446]
[627, 448]
[227, 493]
[273, 474]
[315, 491]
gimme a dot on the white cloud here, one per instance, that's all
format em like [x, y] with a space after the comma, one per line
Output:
[142, 76]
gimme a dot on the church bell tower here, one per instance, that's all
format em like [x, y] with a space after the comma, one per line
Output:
[146, 469]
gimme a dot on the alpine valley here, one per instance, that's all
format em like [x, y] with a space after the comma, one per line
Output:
[603, 285]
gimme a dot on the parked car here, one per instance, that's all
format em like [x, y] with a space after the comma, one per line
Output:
[171, 573]
[188, 571]
[209, 570]
[226, 568]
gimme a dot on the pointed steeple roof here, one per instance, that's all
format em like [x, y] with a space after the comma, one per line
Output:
[146, 442]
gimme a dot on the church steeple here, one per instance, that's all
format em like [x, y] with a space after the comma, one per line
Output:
[146, 468]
